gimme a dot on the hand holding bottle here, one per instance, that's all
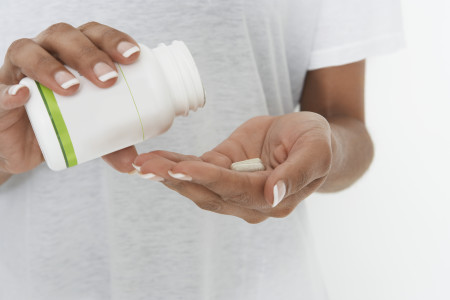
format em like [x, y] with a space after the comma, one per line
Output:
[91, 49]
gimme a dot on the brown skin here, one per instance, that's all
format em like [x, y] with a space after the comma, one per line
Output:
[324, 148]
[40, 58]
[337, 93]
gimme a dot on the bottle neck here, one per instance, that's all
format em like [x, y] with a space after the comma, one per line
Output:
[182, 77]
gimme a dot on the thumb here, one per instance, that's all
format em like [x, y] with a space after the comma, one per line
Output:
[122, 160]
[302, 166]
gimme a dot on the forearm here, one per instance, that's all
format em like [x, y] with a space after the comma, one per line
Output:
[352, 150]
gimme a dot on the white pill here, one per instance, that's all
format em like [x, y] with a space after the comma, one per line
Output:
[249, 165]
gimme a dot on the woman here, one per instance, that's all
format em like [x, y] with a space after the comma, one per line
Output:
[91, 232]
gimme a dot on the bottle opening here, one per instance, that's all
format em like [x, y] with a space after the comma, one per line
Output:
[182, 76]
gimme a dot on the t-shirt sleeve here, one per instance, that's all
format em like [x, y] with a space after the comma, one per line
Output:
[352, 30]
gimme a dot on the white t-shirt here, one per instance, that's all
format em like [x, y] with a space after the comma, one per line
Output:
[91, 233]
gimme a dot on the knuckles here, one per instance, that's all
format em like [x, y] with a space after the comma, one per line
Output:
[57, 28]
[17, 46]
[210, 205]
[88, 25]
[47, 36]
[106, 33]
[244, 199]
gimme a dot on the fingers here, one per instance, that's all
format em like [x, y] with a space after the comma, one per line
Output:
[122, 160]
[118, 45]
[90, 50]
[76, 50]
[305, 164]
[35, 62]
[12, 96]
[244, 189]
[241, 188]
[208, 200]
[173, 156]
[154, 166]
[233, 150]
[157, 165]
[203, 187]
[217, 158]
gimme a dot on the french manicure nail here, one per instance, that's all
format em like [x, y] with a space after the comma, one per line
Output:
[127, 49]
[180, 176]
[157, 179]
[104, 72]
[279, 191]
[15, 88]
[132, 172]
[136, 167]
[151, 176]
[66, 79]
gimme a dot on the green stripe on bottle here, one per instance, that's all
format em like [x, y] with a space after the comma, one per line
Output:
[132, 98]
[59, 125]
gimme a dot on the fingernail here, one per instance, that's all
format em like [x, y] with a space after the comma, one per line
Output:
[180, 176]
[151, 176]
[132, 172]
[127, 49]
[66, 79]
[104, 72]
[136, 167]
[279, 191]
[15, 88]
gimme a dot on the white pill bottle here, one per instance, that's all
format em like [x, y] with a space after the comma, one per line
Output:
[163, 83]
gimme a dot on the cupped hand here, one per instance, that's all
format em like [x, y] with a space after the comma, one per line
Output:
[91, 49]
[296, 150]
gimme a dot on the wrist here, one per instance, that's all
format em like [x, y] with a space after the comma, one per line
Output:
[352, 153]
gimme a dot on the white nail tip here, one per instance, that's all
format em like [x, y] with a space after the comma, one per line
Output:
[70, 83]
[147, 176]
[108, 76]
[279, 191]
[136, 167]
[15, 88]
[131, 51]
[151, 176]
[180, 176]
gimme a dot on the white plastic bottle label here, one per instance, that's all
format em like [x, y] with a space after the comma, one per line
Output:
[110, 118]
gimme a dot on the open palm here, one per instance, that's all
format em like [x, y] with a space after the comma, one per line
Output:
[295, 149]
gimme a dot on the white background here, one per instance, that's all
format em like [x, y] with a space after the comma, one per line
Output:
[388, 236]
